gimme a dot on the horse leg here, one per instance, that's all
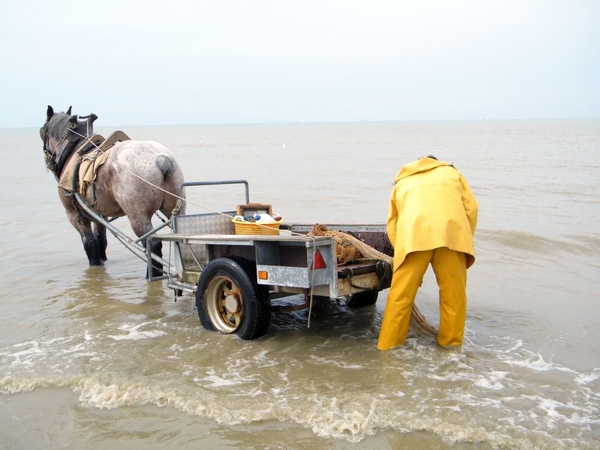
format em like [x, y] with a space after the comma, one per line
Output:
[90, 244]
[84, 228]
[100, 236]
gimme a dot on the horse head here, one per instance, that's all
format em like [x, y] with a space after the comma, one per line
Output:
[61, 135]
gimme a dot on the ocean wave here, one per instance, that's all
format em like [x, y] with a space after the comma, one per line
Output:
[502, 394]
[524, 241]
[345, 416]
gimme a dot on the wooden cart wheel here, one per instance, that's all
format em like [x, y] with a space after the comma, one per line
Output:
[228, 301]
[360, 299]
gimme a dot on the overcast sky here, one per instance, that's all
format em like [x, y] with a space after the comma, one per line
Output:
[269, 61]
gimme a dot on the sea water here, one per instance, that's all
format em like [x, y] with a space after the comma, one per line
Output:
[98, 357]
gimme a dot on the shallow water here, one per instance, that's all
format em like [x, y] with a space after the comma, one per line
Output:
[92, 357]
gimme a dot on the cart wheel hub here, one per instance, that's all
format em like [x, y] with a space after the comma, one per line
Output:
[232, 303]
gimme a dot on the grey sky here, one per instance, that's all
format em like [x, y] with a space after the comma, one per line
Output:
[192, 62]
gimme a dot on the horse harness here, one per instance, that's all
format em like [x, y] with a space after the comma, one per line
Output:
[93, 147]
[90, 155]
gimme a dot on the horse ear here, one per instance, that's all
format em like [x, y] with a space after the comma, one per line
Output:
[49, 113]
[69, 111]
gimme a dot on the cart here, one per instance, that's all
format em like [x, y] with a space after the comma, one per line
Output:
[235, 277]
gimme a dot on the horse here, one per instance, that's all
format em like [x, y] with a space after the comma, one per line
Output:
[136, 179]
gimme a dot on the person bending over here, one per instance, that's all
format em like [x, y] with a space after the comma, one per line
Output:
[431, 220]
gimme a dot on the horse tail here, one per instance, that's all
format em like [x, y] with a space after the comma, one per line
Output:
[166, 164]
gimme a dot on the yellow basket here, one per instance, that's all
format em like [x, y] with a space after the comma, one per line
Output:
[255, 228]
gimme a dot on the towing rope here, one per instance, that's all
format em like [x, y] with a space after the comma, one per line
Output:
[418, 323]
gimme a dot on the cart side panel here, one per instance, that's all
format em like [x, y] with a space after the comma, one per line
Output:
[190, 256]
[289, 264]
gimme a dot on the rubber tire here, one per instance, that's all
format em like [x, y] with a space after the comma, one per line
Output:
[256, 312]
[361, 299]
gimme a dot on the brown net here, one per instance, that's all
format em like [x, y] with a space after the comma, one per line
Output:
[349, 248]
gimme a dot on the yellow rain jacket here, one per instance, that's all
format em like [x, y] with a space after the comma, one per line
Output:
[431, 206]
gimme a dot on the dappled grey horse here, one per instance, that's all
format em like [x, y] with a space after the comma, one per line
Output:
[136, 179]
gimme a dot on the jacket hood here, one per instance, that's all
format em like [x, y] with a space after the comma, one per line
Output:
[421, 165]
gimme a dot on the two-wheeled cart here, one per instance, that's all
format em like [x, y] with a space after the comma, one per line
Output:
[236, 276]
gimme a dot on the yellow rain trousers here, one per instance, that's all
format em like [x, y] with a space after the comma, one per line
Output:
[450, 270]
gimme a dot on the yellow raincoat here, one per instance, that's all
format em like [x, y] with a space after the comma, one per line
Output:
[431, 206]
[432, 219]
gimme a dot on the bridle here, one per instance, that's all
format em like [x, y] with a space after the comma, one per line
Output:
[56, 160]
[48, 152]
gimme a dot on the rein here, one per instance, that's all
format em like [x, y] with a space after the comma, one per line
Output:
[56, 162]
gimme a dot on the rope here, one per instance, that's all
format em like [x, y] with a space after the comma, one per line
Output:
[418, 322]
[312, 282]
[313, 240]
[164, 190]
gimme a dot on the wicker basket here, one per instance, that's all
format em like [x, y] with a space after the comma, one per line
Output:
[255, 228]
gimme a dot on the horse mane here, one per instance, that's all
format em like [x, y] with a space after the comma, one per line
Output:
[57, 124]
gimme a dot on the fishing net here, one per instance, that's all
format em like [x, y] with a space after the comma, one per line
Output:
[349, 248]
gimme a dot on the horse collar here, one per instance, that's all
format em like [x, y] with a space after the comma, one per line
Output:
[56, 161]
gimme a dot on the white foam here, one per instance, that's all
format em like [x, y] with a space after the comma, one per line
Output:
[134, 333]
[25, 357]
[336, 363]
[262, 360]
[583, 378]
[536, 362]
[492, 382]
[213, 380]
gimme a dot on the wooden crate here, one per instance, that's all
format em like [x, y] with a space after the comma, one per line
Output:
[254, 208]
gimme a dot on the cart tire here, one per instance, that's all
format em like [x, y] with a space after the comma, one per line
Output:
[229, 302]
[360, 299]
